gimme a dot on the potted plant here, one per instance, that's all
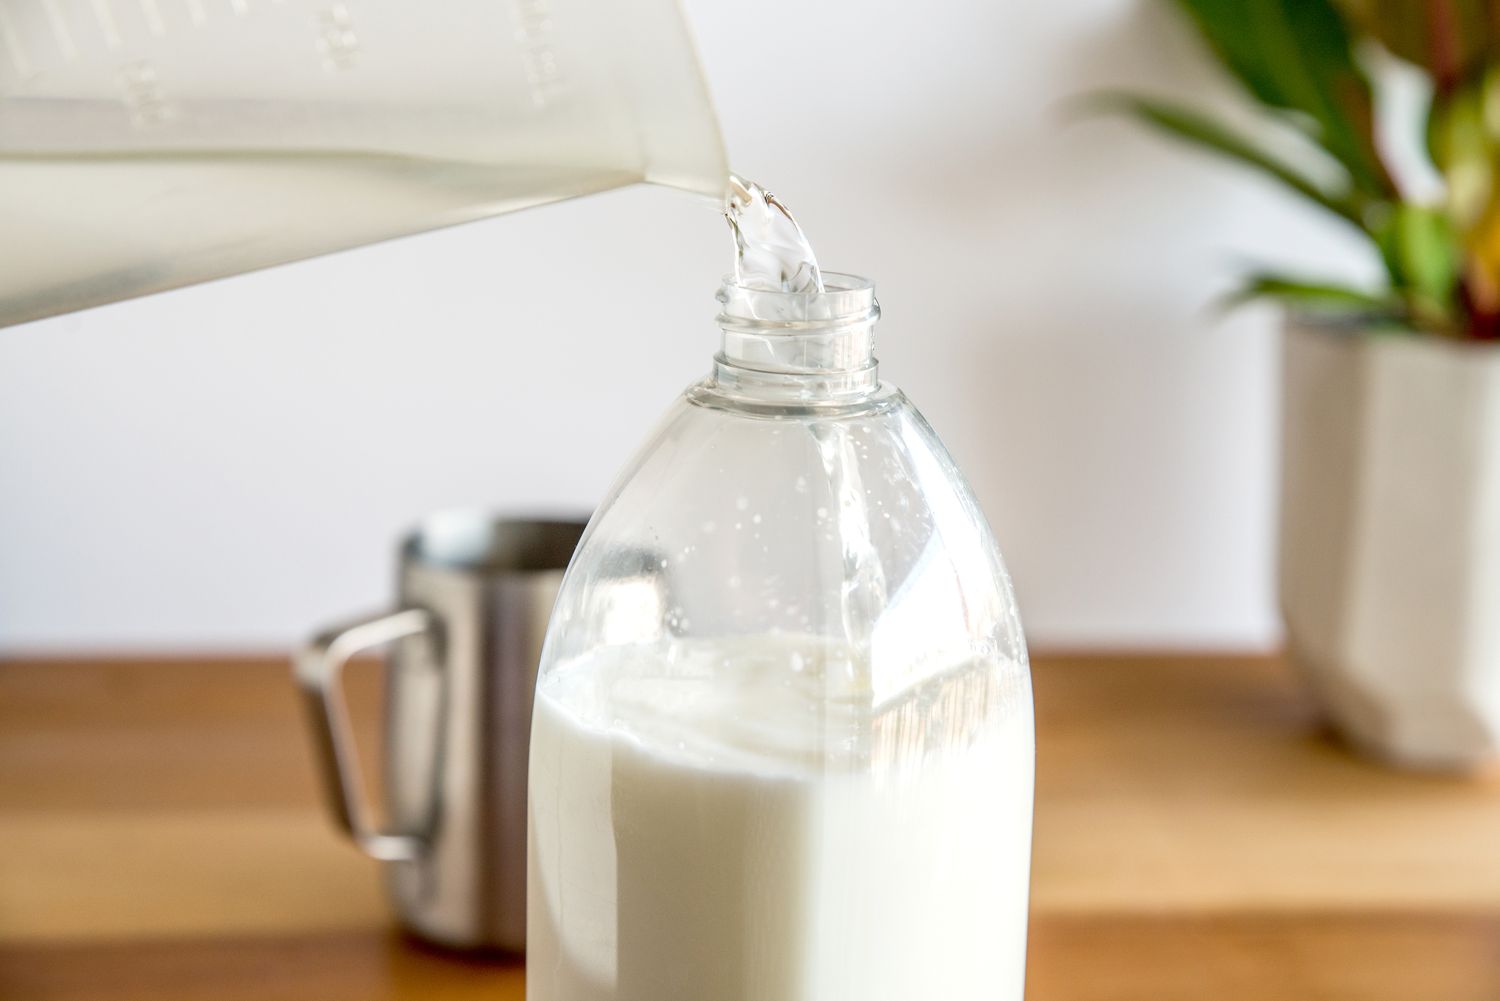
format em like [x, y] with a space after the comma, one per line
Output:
[1390, 495]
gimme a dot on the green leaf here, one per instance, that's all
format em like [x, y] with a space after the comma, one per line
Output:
[1422, 249]
[1424, 257]
[1320, 296]
[1298, 56]
[1463, 142]
[1200, 130]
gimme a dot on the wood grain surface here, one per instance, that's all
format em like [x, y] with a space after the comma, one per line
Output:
[1198, 836]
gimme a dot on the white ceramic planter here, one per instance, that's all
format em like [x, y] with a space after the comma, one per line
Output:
[1390, 539]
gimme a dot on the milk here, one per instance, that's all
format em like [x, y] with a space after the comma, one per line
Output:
[742, 824]
[92, 228]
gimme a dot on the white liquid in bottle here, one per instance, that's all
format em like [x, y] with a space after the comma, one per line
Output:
[694, 857]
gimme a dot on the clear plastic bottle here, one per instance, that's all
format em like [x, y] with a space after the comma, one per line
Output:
[783, 745]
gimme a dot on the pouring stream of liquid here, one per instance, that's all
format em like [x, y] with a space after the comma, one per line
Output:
[770, 250]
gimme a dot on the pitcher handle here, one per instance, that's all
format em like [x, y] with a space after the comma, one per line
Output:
[318, 668]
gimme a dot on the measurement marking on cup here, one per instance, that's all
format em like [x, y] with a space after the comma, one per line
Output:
[152, 13]
[337, 40]
[142, 93]
[13, 46]
[533, 21]
[107, 26]
[60, 30]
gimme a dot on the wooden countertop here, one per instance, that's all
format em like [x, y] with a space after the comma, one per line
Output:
[1198, 837]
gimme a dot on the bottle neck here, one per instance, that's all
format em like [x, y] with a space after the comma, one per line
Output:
[798, 346]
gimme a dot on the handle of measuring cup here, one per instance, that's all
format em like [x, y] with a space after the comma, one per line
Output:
[318, 668]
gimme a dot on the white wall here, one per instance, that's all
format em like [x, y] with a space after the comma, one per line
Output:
[226, 466]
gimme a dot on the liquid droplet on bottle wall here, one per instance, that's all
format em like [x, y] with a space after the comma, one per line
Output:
[770, 250]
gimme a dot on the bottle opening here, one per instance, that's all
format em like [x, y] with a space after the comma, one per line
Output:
[844, 300]
[805, 345]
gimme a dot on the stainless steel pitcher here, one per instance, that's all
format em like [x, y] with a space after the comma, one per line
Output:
[475, 594]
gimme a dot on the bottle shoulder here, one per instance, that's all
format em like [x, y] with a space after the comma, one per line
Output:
[852, 524]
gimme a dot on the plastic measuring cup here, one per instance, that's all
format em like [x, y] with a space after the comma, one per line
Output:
[147, 144]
